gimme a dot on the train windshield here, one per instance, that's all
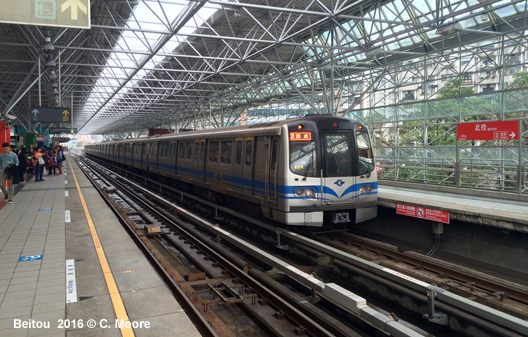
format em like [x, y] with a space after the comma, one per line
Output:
[303, 158]
[366, 159]
[337, 152]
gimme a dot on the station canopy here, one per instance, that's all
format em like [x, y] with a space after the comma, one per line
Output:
[168, 64]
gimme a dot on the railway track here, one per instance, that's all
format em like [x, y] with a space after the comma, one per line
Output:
[422, 292]
[225, 278]
[500, 294]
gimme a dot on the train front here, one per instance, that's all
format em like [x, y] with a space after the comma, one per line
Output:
[332, 172]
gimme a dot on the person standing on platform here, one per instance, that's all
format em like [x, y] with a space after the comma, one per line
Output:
[22, 164]
[39, 170]
[8, 165]
[58, 153]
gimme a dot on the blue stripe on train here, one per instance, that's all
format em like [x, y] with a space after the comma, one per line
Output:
[260, 186]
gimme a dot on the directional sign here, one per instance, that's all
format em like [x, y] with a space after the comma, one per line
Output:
[61, 139]
[59, 13]
[50, 115]
[488, 130]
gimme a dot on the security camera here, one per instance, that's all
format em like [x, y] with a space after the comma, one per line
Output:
[11, 117]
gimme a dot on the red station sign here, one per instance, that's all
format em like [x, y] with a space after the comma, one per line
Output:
[423, 213]
[488, 130]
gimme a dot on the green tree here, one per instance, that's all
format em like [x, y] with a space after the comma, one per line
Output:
[520, 80]
[454, 88]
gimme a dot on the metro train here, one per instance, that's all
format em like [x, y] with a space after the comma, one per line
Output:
[310, 171]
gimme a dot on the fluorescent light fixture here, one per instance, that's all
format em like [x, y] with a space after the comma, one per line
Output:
[48, 46]
[11, 117]
[448, 29]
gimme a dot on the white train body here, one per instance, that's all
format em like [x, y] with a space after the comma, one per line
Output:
[309, 171]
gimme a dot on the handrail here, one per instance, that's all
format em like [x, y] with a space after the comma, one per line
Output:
[499, 175]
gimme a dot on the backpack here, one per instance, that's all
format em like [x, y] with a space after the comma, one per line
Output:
[63, 158]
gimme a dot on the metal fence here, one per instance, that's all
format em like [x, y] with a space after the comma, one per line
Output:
[498, 175]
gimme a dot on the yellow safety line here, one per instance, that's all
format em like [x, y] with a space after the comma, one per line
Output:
[119, 307]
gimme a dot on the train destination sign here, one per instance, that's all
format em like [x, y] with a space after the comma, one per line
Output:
[506, 130]
[423, 213]
[50, 115]
[58, 13]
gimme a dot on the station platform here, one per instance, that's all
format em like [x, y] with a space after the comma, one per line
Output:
[505, 212]
[68, 267]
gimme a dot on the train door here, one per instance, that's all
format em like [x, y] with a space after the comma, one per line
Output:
[198, 161]
[153, 157]
[131, 153]
[144, 155]
[173, 153]
[247, 166]
[237, 168]
[339, 185]
[273, 169]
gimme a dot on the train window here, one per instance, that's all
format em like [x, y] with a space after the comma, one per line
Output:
[213, 152]
[337, 155]
[202, 151]
[238, 159]
[190, 146]
[249, 150]
[153, 148]
[274, 150]
[181, 152]
[366, 159]
[303, 158]
[227, 150]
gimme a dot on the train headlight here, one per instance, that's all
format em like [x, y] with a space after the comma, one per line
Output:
[310, 193]
[361, 190]
[368, 188]
[299, 192]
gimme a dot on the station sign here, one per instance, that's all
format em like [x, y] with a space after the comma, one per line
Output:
[50, 115]
[61, 139]
[58, 13]
[505, 130]
[423, 213]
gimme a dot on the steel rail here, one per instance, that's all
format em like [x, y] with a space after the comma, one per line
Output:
[293, 313]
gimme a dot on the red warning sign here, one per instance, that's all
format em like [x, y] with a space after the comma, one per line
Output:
[423, 213]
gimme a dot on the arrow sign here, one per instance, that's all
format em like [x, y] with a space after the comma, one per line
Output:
[35, 114]
[488, 130]
[49, 13]
[75, 5]
[51, 115]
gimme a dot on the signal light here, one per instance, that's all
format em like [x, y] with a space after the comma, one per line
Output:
[335, 125]
[300, 126]
[361, 127]
[299, 192]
